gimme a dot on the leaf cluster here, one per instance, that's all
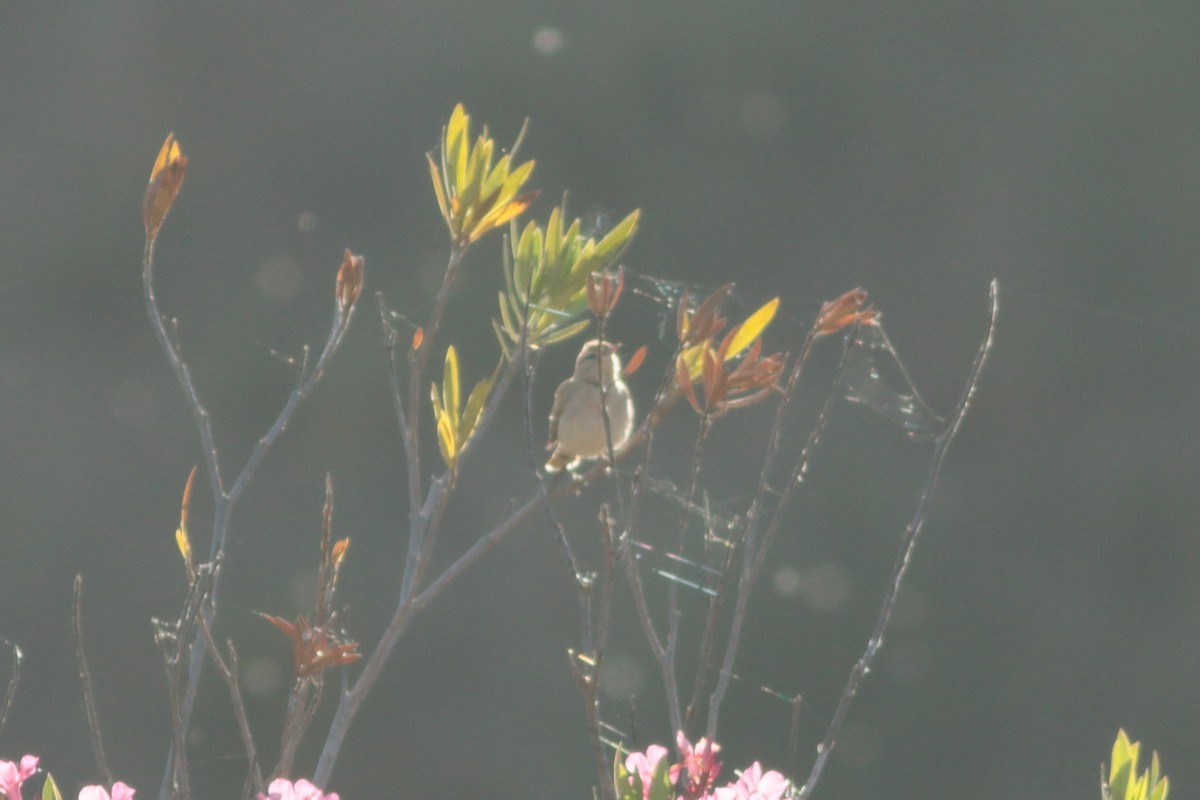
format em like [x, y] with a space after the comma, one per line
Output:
[546, 273]
[1125, 782]
[725, 385]
[474, 195]
[456, 423]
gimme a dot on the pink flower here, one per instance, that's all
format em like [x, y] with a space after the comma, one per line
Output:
[644, 764]
[283, 789]
[754, 784]
[120, 791]
[12, 776]
[701, 765]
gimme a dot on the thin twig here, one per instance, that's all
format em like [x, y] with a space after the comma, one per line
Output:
[182, 373]
[173, 640]
[674, 615]
[417, 358]
[663, 652]
[302, 704]
[228, 668]
[751, 553]
[800, 468]
[603, 618]
[224, 499]
[586, 665]
[604, 615]
[666, 396]
[793, 756]
[582, 590]
[407, 434]
[708, 640]
[907, 544]
[85, 681]
[14, 679]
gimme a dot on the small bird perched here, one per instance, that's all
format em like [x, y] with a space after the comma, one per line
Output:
[576, 423]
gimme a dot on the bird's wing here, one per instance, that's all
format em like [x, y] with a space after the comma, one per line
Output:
[560, 401]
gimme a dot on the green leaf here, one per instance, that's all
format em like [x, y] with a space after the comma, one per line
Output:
[446, 441]
[495, 178]
[436, 399]
[529, 247]
[456, 146]
[571, 242]
[629, 787]
[450, 395]
[752, 328]
[562, 334]
[660, 782]
[609, 248]
[50, 789]
[553, 237]
[500, 214]
[528, 261]
[438, 190]
[480, 158]
[474, 409]
[502, 340]
[514, 180]
[512, 329]
[509, 285]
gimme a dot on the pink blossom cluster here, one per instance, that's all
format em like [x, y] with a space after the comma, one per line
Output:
[700, 767]
[13, 774]
[283, 789]
[120, 791]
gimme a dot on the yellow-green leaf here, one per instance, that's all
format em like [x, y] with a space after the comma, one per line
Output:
[457, 146]
[562, 334]
[438, 190]
[514, 179]
[553, 236]
[450, 394]
[446, 441]
[436, 399]
[752, 328]
[477, 163]
[614, 243]
[50, 789]
[185, 548]
[502, 213]
[502, 340]
[694, 358]
[509, 326]
[495, 176]
[474, 409]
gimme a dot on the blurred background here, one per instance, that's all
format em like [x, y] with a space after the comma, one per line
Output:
[801, 149]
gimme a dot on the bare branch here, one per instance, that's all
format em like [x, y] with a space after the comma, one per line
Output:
[907, 544]
[752, 553]
[85, 681]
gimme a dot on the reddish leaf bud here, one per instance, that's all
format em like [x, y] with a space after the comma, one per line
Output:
[349, 280]
[165, 180]
[843, 312]
[635, 361]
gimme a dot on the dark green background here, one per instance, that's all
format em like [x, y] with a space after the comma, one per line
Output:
[918, 150]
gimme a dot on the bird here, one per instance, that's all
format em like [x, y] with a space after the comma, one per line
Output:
[576, 423]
